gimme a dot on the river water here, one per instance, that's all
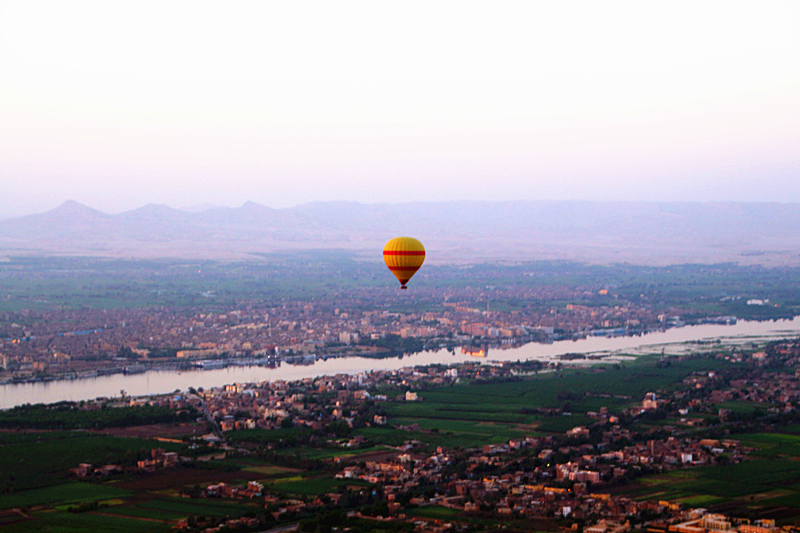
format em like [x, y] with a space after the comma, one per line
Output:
[159, 382]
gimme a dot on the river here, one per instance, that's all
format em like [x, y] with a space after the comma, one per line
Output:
[159, 382]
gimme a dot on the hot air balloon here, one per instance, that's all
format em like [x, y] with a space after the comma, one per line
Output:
[404, 256]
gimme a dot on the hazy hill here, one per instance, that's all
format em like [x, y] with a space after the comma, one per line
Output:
[460, 232]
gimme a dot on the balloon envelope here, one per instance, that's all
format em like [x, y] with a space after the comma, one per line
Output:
[404, 256]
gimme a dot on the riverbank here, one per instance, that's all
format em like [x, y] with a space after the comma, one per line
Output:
[164, 381]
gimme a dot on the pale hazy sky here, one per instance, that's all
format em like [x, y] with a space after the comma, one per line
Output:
[117, 104]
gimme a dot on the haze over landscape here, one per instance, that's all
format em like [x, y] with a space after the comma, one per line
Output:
[463, 232]
[117, 105]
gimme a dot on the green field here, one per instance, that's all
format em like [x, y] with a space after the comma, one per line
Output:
[34, 465]
[449, 433]
[742, 407]
[393, 437]
[68, 415]
[479, 429]
[143, 512]
[436, 511]
[98, 283]
[761, 482]
[282, 437]
[185, 507]
[68, 493]
[307, 452]
[471, 414]
[270, 470]
[316, 486]
[41, 459]
[772, 445]
[64, 522]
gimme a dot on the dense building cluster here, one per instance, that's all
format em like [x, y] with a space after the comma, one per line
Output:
[570, 478]
[76, 343]
[564, 477]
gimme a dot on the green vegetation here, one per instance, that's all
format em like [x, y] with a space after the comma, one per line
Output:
[336, 519]
[198, 507]
[271, 470]
[482, 412]
[67, 493]
[57, 282]
[66, 522]
[317, 486]
[742, 407]
[772, 445]
[295, 462]
[312, 453]
[725, 482]
[435, 511]
[283, 437]
[68, 415]
[447, 433]
[42, 459]
[63, 282]
[771, 480]
[141, 511]
[392, 437]
[395, 344]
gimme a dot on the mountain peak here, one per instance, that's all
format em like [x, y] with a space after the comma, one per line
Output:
[253, 206]
[156, 213]
[72, 210]
[154, 208]
[73, 207]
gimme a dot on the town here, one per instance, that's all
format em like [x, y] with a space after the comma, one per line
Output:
[699, 437]
[574, 479]
[135, 340]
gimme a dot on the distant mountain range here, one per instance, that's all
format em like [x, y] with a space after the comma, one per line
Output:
[453, 232]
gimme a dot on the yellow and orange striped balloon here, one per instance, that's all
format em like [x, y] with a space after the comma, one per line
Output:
[404, 256]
